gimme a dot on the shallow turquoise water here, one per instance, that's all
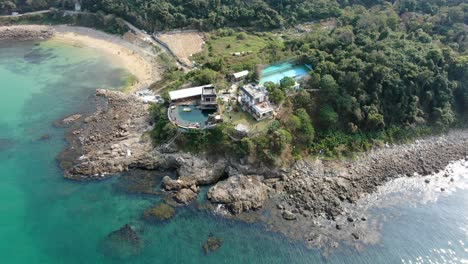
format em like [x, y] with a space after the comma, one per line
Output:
[195, 115]
[275, 73]
[46, 219]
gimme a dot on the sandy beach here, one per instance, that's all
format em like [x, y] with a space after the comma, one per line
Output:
[139, 59]
[133, 58]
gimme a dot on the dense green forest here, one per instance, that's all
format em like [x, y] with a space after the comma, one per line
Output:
[385, 70]
[209, 14]
[381, 74]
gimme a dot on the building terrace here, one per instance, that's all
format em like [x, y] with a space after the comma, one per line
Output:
[254, 99]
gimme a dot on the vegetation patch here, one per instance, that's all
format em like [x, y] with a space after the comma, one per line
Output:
[158, 213]
[130, 81]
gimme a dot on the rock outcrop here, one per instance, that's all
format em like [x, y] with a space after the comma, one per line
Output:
[110, 141]
[185, 196]
[239, 193]
[212, 244]
[199, 171]
[158, 213]
[20, 33]
[322, 188]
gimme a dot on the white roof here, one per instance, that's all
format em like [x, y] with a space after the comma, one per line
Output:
[240, 74]
[187, 93]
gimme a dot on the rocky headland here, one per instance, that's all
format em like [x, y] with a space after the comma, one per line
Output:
[114, 139]
[22, 33]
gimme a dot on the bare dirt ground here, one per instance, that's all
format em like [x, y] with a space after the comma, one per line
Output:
[184, 44]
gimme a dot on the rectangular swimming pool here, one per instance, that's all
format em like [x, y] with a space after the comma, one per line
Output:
[275, 73]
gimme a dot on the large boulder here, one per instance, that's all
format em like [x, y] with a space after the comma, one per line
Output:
[185, 196]
[200, 171]
[288, 215]
[239, 193]
[172, 185]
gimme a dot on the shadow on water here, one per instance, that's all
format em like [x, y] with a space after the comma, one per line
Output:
[5, 144]
[141, 182]
[39, 55]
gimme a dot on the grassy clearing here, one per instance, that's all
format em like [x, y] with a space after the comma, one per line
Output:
[242, 117]
[254, 47]
[225, 46]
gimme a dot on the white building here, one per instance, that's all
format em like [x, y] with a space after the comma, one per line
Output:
[254, 99]
[239, 76]
[206, 94]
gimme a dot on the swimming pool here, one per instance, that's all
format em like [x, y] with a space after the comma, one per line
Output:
[275, 73]
[193, 118]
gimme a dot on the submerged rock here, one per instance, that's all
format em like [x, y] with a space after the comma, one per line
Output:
[185, 196]
[160, 212]
[45, 137]
[212, 244]
[5, 144]
[122, 243]
[70, 119]
[139, 182]
[193, 170]
[239, 193]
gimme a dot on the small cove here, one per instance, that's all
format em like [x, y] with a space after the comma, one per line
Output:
[47, 219]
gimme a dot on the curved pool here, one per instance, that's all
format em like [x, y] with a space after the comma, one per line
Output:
[195, 118]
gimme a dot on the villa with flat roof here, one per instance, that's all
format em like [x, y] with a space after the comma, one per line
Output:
[208, 98]
[193, 93]
[254, 99]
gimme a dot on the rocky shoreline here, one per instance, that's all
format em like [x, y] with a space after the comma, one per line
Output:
[114, 139]
[22, 33]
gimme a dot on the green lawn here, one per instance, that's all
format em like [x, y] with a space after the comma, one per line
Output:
[224, 47]
[241, 117]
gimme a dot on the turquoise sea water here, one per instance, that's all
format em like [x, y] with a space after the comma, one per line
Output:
[275, 73]
[47, 219]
